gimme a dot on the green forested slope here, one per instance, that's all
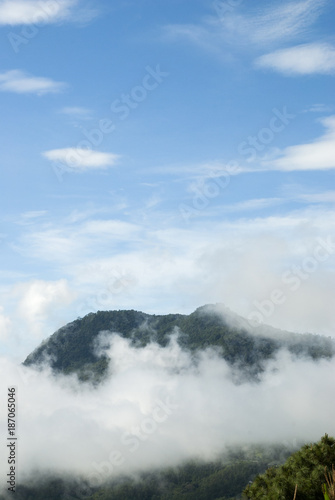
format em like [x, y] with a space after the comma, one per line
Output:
[71, 349]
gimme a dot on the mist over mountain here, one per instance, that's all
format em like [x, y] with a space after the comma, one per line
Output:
[79, 348]
[202, 399]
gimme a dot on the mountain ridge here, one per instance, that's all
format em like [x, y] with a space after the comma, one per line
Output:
[71, 349]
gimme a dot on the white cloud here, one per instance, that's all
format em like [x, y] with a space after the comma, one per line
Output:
[307, 59]
[39, 301]
[160, 407]
[79, 159]
[22, 83]
[318, 155]
[21, 12]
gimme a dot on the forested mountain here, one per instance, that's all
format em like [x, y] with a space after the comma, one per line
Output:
[72, 348]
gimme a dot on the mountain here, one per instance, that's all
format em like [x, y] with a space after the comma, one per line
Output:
[71, 349]
[246, 349]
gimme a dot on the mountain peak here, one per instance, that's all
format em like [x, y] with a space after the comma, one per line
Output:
[73, 347]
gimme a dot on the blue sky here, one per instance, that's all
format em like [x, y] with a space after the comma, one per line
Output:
[163, 155]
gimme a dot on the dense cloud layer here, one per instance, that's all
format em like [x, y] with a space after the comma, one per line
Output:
[160, 406]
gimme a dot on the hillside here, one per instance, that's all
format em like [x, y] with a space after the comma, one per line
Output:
[72, 347]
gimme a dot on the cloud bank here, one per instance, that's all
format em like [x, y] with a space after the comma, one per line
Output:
[160, 407]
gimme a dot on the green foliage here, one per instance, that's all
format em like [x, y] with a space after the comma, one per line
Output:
[325, 492]
[329, 488]
[306, 468]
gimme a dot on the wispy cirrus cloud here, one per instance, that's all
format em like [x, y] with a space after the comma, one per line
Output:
[306, 59]
[254, 204]
[325, 197]
[318, 108]
[77, 112]
[22, 83]
[269, 26]
[283, 22]
[80, 159]
[23, 12]
[208, 37]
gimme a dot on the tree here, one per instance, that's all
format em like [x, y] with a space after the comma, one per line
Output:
[305, 468]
